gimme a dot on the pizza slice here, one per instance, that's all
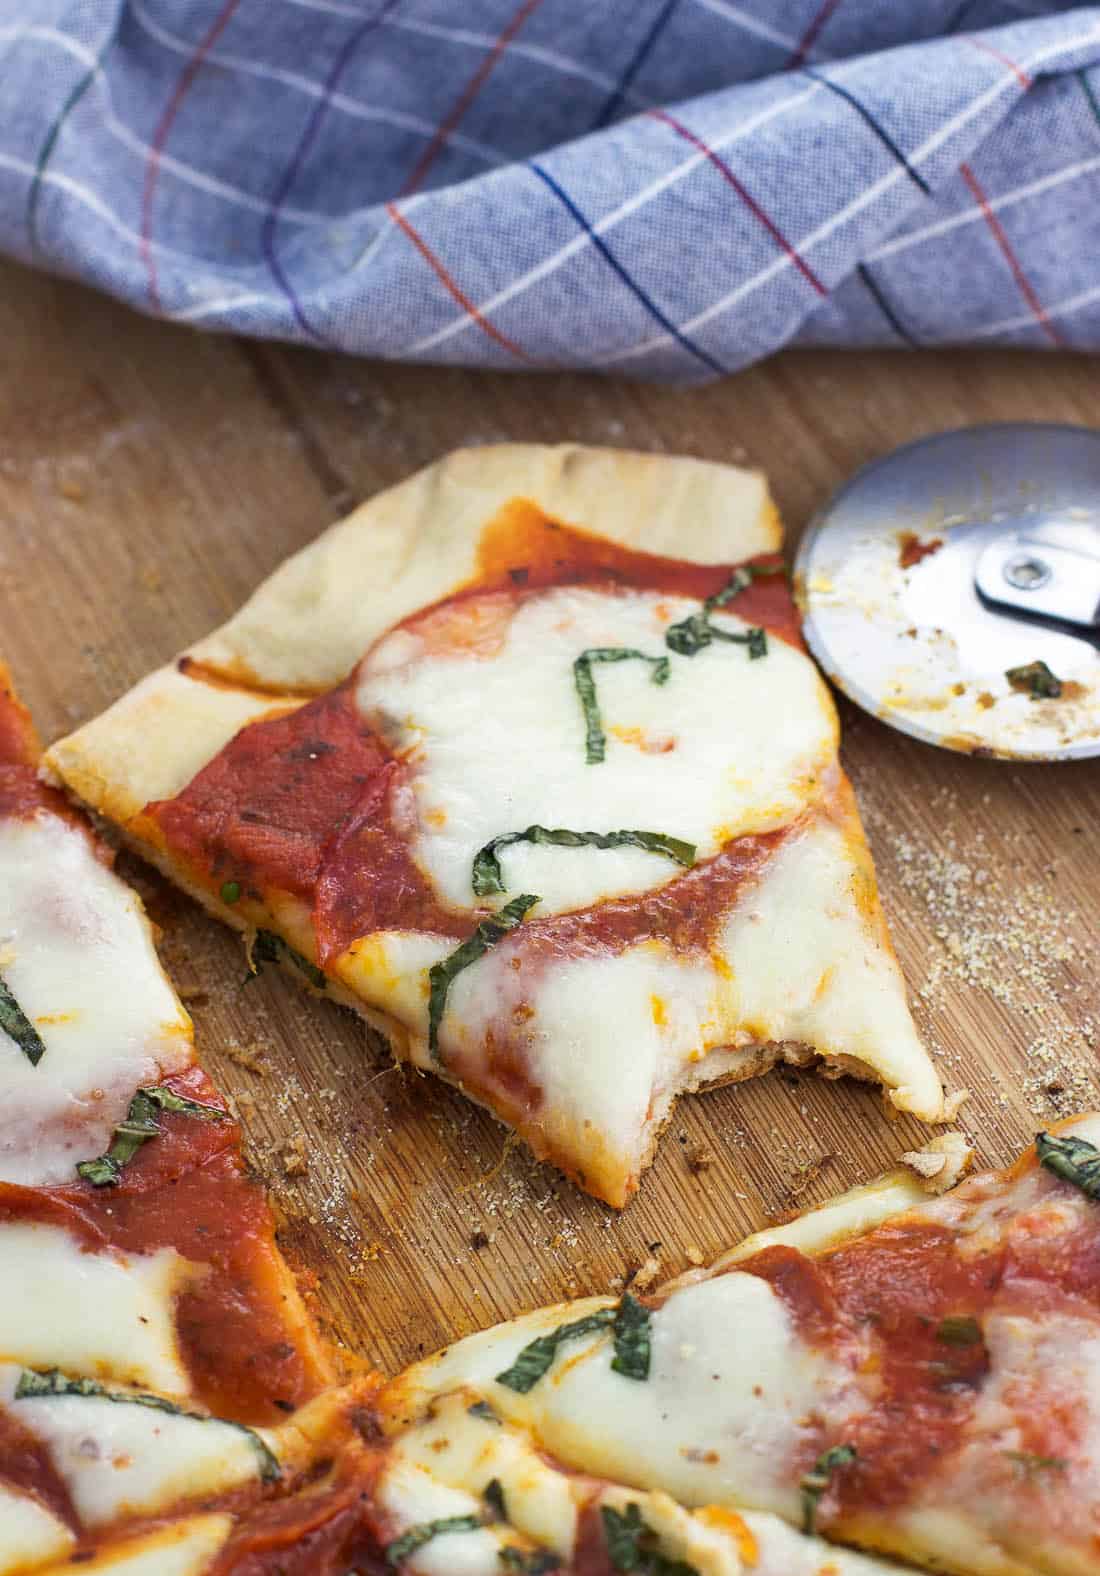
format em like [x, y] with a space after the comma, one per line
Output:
[526, 762]
[894, 1377]
[165, 1403]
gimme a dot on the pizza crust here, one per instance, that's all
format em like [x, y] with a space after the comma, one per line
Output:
[311, 621]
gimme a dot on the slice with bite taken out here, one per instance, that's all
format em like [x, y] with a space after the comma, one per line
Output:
[526, 762]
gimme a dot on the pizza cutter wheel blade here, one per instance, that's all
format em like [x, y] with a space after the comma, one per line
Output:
[953, 590]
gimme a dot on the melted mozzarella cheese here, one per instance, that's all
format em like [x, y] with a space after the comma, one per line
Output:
[442, 1465]
[606, 1038]
[460, 1450]
[125, 1326]
[186, 1548]
[118, 1457]
[709, 1425]
[411, 1496]
[29, 1533]
[781, 1551]
[77, 953]
[497, 739]
[812, 963]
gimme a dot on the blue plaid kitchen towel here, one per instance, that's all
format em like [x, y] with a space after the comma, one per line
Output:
[664, 188]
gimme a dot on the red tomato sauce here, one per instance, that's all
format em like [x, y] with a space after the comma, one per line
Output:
[26, 1466]
[21, 791]
[188, 1190]
[309, 802]
[321, 1533]
[18, 740]
[522, 547]
[892, 1289]
[22, 794]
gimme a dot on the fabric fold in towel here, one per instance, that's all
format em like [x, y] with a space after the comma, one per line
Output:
[667, 189]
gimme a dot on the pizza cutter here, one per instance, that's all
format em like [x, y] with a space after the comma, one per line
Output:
[952, 589]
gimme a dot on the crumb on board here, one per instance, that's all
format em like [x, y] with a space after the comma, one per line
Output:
[251, 1055]
[293, 1157]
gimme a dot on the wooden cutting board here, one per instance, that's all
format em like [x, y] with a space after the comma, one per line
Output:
[149, 478]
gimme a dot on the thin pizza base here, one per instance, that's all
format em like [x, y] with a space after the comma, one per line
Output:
[802, 968]
[944, 1349]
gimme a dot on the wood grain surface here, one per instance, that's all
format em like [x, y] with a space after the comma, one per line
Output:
[149, 478]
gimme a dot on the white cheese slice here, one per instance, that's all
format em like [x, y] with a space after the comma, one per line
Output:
[29, 1533]
[489, 711]
[125, 1324]
[117, 1457]
[186, 1548]
[77, 953]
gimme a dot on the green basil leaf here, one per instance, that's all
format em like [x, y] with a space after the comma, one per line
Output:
[493, 1496]
[488, 878]
[137, 1127]
[1030, 1465]
[397, 1552]
[538, 1355]
[958, 1329]
[1035, 679]
[14, 1021]
[631, 1333]
[230, 892]
[35, 1386]
[595, 741]
[442, 975]
[483, 1410]
[631, 1545]
[692, 634]
[267, 947]
[815, 1483]
[530, 1562]
[1073, 1159]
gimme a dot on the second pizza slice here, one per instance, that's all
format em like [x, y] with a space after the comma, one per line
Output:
[526, 762]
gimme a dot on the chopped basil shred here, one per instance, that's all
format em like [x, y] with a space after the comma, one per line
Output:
[815, 1483]
[442, 975]
[629, 1326]
[631, 1545]
[230, 892]
[267, 947]
[531, 1562]
[1073, 1159]
[631, 1337]
[36, 1386]
[139, 1125]
[493, 1495]
[483, 1410]
[959, 1329]
[538, 1355]
[692, 634]
[1035, 679]
[595, 741]
[14, 1021]
[1029, 1465]
[401, 1548]
[488, 877]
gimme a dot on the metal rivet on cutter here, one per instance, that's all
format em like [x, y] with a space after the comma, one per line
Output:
[943, 578]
